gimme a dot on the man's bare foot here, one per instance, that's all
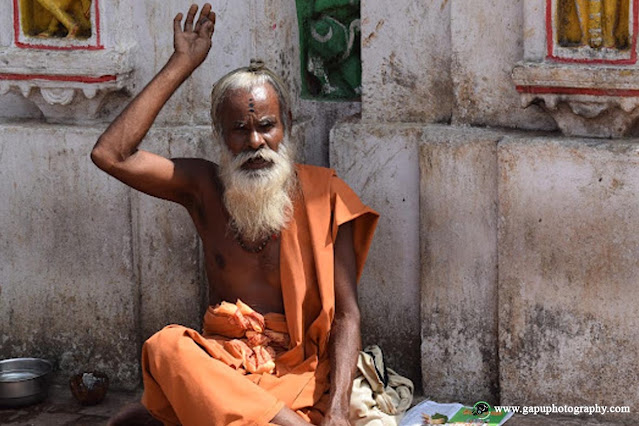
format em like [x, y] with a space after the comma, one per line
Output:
[134, 415]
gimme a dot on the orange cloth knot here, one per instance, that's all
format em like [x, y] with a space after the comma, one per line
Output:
[251, 339]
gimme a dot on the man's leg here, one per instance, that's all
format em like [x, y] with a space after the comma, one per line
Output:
[183, 383]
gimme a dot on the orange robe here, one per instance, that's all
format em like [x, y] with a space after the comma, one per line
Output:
[191, 379]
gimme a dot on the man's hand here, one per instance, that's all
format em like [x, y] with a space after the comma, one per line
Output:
[193, 42]
[116, 151]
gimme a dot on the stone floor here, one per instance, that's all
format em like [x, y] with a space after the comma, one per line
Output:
[61, 409]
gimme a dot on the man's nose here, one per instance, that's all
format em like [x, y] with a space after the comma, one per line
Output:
[256, 141]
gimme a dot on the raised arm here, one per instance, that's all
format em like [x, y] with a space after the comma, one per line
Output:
[116, 151]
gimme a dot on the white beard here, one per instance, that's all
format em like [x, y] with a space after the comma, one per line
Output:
[258, 201]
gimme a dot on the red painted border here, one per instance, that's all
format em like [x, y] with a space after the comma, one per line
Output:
[550, 42]
[74, 78]
[18, 43]
[578, 91]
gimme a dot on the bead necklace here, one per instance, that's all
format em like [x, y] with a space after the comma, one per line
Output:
[250, 249]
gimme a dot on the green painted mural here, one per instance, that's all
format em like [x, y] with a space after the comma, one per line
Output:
[330, 49]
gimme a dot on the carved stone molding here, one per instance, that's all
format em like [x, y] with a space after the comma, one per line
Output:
[580, 65]
[65, 85]
[58, 96]
[584, 100]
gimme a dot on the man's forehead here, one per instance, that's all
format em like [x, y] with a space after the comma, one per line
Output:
[257, 97]
[260, 93]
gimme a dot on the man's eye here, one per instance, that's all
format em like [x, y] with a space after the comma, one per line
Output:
[267, 125]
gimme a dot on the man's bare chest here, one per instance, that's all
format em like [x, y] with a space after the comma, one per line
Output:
[233, 271]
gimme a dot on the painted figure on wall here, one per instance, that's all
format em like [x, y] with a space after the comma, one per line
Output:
[594, 23]
[56, 18]
[330, 48]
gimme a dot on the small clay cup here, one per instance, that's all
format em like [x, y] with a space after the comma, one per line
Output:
[89, 387]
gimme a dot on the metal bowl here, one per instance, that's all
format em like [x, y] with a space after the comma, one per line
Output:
[23, 381]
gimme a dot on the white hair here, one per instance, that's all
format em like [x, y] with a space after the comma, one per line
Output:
[259, 201]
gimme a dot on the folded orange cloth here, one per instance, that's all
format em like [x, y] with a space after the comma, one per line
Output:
[252, 342]
[232, 320]
[225, 376]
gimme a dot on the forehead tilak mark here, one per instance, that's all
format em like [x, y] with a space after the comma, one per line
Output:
[251, 105]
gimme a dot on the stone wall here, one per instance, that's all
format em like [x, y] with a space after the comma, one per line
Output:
[528, 260]
[527, 249]
[67, 274]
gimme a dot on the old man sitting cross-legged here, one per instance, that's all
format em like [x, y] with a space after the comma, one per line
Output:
[284, 246]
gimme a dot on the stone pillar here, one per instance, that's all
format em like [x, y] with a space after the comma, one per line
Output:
[405, 78]
[406, 61]
[458, 211]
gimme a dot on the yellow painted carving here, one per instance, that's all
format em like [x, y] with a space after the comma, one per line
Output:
[594, 23]
[56, 18]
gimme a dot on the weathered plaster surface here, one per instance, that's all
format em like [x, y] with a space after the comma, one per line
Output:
[458, 228]
[67, 273]
[528, 260]
[380, 163]
[487, 41]
[14, 105]
[154, 35]
[89, 267]
[275, 39]
[321, 117]
[568, 267]
[406, 61]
